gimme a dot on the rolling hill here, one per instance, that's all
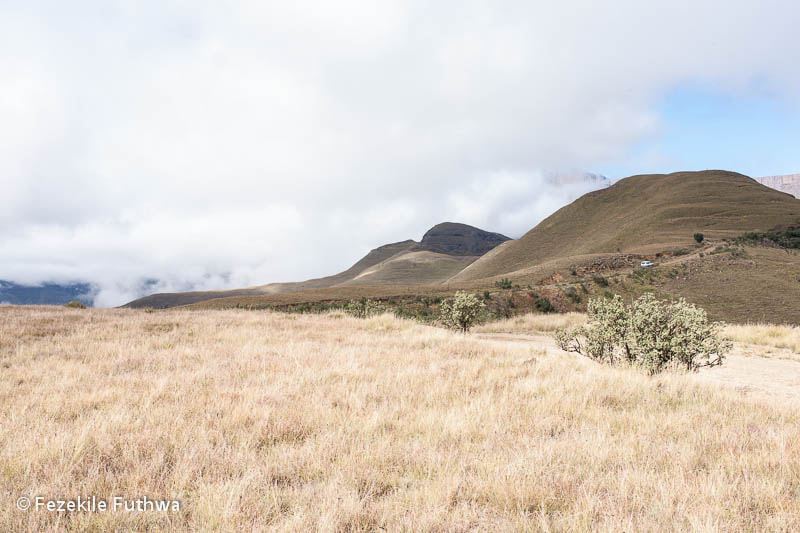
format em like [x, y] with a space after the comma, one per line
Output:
[643, 215]
[444, 251]
[588, 248]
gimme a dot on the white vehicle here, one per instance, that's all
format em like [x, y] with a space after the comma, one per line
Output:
[645, 264]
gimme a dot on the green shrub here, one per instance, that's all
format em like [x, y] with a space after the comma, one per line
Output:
[600, 280]
[75, 305]
[461, 311]
[699, 237]
[650, 333]
[504, 283]
[786, 238]
[544, 305]
[572, 294]
[363, 308]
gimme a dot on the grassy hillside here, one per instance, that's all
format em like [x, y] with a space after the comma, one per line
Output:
[746, 284]
[342, 293]
[443, 251]
[412, 267]
[274, 422]
[644, 214]
[602, 235]
[174, 299]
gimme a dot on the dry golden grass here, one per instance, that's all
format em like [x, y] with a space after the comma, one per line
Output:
[778, 336]
[533, 323]
[263, 421]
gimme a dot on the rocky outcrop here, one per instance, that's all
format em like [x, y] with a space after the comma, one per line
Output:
[789, 183]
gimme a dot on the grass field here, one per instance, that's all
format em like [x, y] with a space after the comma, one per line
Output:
[533, 323]
[778, 336]
[268, 421]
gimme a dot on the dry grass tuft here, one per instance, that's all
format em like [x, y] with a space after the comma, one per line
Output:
[533, 323]
[778, 336]
[262, 421]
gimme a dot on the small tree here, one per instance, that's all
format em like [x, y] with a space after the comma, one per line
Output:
[699, 237]
[461, 311]
[649, 333]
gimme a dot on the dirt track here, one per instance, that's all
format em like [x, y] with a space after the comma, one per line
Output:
[752, 370]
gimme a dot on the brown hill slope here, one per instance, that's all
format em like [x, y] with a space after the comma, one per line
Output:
[443, 251]
[414, 267]
[643, 214]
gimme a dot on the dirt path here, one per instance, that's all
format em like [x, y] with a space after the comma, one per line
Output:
[758, 370]
[750, 369]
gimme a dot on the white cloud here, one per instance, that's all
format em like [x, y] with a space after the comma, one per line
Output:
[235, 144]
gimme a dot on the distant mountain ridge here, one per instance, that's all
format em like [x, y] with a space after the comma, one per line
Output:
[45, 294]
[444, 251]
[586, 249]
[788, 183]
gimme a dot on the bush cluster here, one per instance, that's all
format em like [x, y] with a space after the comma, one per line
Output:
[363, 308]
[650, 333]
[461, 312]
[544, 305]
[788, 238]
[504, 283]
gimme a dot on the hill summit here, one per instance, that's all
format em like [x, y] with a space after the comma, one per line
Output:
[444, 251]
[589, 248]
[644, 214]
[460, 239]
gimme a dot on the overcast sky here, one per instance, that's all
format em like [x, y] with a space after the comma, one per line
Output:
[238, 143]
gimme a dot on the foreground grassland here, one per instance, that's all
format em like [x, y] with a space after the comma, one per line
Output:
[782, 336]
[260, 421]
